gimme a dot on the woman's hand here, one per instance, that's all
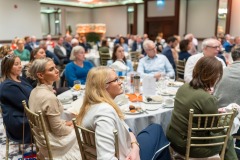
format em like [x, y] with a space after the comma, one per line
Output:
[68, 123]
[134, 154]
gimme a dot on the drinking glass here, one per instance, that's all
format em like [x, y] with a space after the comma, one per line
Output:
[137, 93]
[77, 85]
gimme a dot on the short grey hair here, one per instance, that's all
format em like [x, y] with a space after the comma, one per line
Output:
[236, 53]
[74, 40]
[37, 66]
[146, 44]
[75, 50]
[207, 42]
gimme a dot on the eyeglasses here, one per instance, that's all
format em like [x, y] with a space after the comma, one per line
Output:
[115, 80]
[9, 56]
[215, 47]
[151, 49]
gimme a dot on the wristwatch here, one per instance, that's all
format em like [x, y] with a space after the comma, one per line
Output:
[135, 142]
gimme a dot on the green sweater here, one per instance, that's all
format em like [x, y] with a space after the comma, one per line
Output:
[24, 55]
[203, 103]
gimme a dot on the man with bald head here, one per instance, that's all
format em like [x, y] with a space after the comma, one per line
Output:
[210, 48]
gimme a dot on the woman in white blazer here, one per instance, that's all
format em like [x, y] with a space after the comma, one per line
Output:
[99, 113]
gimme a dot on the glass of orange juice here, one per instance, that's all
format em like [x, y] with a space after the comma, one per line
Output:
[77, 85]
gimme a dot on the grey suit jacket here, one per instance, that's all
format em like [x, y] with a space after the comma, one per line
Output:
[228, 89]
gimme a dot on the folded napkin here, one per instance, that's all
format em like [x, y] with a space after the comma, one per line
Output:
[133, 98]
[119, 66]
[236, 122]
[75, 106]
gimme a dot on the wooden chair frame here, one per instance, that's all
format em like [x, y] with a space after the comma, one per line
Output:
[38, 129]
[20, 149]
[209, 122]
[86, 142]
[104, 57]
[180, 67]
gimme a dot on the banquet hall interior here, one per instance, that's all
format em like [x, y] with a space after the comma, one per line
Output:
[96, 20]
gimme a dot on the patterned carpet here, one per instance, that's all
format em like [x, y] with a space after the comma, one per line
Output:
[13, 148]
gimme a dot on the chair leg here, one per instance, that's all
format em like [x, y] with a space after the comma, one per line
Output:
[7, 148]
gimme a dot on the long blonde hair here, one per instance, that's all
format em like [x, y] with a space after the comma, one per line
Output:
[96, 91]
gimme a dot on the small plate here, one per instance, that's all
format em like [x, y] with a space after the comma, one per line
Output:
[175, 84]
[165, 106]
[132, 113]
[167, 93]
[152, 107]
[150, 102]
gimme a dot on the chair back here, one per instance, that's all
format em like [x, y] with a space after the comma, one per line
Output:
[134, 56]
[87, 144]
[180, 67]
[104, 57]
[221, 123]
[38, 129]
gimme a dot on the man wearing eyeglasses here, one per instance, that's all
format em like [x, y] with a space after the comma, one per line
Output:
[153, 64]
[210, 48]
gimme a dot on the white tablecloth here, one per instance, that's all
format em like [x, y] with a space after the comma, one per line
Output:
[136, 122]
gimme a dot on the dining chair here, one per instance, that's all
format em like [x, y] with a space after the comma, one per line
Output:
[9, 140]
[208, 123]
[180, 67]
[87, 144]
[135, 59]
[104, 57]
[39, 131]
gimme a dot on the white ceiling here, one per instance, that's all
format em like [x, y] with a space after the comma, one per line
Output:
[90, 3]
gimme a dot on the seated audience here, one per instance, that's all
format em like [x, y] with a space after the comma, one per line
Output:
[227, 90]
[60, 132]
[27, 45]
[101, 114]
[61, 52]
[184, 47]
[67, 45]
[49, 54]
[154, 64]
[197, 95]
[193, 43]
[36, 53]
[104, 47]
[85, 44]
[13, 90]
[159, 44]
[169, 52]
[210, 48]
[22, 53]
[123, 44]
[4, 50]
[78, 68]
[118, 55]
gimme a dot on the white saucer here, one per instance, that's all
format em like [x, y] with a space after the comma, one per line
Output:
[168, 106]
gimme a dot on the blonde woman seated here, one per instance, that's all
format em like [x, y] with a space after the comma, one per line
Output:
[99, 113]
[61, 133]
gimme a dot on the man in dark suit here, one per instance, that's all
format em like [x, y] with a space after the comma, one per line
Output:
[67, 45]
[61, 52]
[84, 44]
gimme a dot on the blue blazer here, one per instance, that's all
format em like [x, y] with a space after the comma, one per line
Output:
[11, 96]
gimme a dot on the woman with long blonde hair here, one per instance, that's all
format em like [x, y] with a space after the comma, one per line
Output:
[99, 113]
